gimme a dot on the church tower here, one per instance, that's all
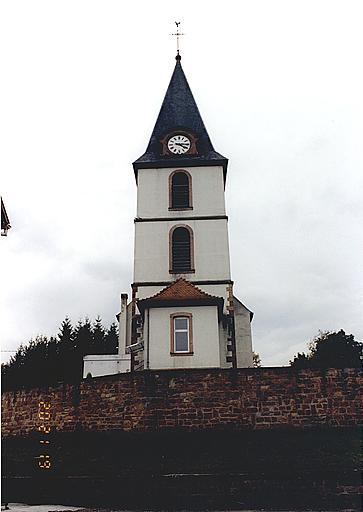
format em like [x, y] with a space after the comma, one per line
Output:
[183, 313]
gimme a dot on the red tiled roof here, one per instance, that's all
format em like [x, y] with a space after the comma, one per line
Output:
[181, 290]
[178, 293]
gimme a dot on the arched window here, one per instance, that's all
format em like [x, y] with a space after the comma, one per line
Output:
[180, 190]
[181, 250]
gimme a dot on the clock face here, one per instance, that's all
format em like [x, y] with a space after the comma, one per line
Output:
[179, 144]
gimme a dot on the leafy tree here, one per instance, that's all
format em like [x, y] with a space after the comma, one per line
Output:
[301, 360]
[256, 360]
[331, 350]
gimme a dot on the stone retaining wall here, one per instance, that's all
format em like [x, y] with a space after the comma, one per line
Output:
[262, 398]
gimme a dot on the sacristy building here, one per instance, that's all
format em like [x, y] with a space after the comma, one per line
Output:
[182, 312]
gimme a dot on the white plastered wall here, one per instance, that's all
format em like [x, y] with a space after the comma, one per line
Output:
[211, 251]
[211, 246]
[205, 338]
[207, 192]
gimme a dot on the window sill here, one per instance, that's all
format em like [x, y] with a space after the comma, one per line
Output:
[190, 271]
[181, 354]
[179, 209]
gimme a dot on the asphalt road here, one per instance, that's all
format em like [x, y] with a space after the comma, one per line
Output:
[22, 507]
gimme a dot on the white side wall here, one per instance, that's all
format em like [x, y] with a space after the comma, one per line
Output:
[205, 339]
[242, 324]
[223, 335]
[207, 192]
[122, 325]
[98, 365]
[128, 324]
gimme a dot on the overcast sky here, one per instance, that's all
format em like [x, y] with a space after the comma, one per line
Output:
[279, 86]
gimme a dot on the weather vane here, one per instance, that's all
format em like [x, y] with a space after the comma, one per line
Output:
[177, 34]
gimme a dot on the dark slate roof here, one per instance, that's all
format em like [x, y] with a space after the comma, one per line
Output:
[5, 222]
[179, 111]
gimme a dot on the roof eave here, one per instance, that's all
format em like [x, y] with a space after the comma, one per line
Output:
[144, 304]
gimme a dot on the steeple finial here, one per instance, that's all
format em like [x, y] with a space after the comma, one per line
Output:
[177, 34]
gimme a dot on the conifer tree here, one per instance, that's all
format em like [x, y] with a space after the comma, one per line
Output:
[46, 361]
[53, 370]
[111, 339]
[82, 346]
[66, 332]
[65, 349]
[35, 361]
[83, 337]
[98, 337]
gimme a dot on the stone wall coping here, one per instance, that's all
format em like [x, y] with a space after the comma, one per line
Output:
[288, 370]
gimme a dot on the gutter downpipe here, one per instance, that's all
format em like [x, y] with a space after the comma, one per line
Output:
[148, 340]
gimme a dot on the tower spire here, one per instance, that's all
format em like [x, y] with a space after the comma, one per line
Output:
[179, 114]
[177, 34]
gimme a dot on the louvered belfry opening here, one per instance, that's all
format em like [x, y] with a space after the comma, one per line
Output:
[181, 250]
[180, 190]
